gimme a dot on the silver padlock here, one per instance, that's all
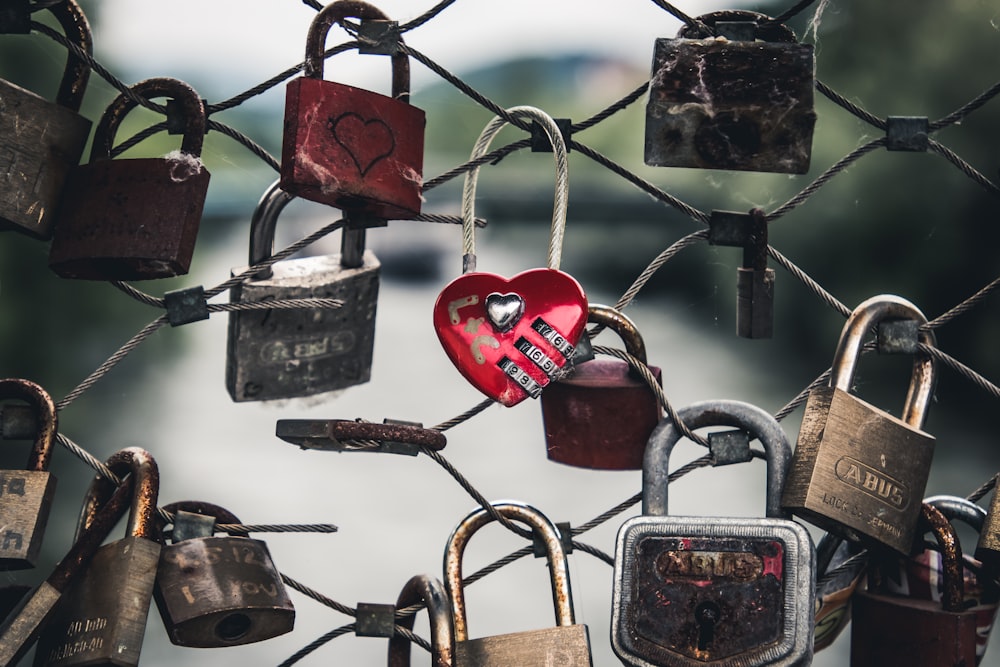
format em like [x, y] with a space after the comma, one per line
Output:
[289, 353]
[725, 591]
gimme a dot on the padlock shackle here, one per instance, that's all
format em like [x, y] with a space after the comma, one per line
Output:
[77, 72]
[561, 199]
[263, 223]
[140, 465]
[428, 590]
[622, 325]
[45, 413]
[337, 12]
[562, 596]
[737, 414]
[767, 29]
[952, 563]
[867, 315]
[190, 104]
[960, 509]
[220, 514]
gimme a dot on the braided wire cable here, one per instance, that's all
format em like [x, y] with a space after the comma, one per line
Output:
[960, 368]
[983, 489]
[318, 643]
[964, 306]
[963, 166]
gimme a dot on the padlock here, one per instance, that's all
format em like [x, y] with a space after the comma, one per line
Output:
[988, 547]
[840, 567]
[288, 353]
[858, 471]
[601, 415]
[740, 99]
[726, 591]
[890, 630]
[567, 645]
[218, 591]
[430, 591]
[349, 147]
[26, 495]
[43, 140]
[101, 619]
[134, 219]
[510, 338]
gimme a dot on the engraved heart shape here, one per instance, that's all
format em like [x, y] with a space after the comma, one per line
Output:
[504, 310]
[508, 365]
[366, 141]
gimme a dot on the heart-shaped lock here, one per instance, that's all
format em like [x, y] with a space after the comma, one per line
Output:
[510, 337]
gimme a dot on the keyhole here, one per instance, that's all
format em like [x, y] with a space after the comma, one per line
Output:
[706, 615]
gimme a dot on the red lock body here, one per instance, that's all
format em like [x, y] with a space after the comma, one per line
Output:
[348, 147]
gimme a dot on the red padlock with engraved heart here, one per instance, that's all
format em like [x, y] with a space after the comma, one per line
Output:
[346, 146]
[511, 337]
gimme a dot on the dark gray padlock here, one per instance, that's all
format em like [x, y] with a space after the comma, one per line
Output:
[289, 353]
[724, 591]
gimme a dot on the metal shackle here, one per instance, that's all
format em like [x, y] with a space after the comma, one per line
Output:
[768, 29]
[141, 467]
[622, 325]
[77, 72]
[263, 223]
[737, 414]
[934, 521]
[220, 514]
[336, 12]
[186, 96]
[430, 591]
[542, 526]
[868, 314]
[960, 509]
[45, 412]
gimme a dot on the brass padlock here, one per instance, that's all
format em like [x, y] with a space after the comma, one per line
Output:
[739, 99]
[858, 471]
[691, 590]
[900, 630]
[101, 619]
[288, 353]
[218, 591]
[26, 495]
[988, 547]
[43, 140]
[430, 591]
[134, 219]
[601, 415]
[567, 645]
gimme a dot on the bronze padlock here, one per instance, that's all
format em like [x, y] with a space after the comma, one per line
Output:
[601, 415]
[218, 591]
[858, 471]
[134, 219]
[429, 591]
[101, 619]
[43, 140]
[290, 353]
[26, 495]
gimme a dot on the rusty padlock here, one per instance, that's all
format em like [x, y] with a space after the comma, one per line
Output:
[348, 147]
[26, 495]
[740, 99]
[602, 414]
[858, 471]
[43, 140]
[428, 590]
[134, 219]
[218, 591]
[289, 353]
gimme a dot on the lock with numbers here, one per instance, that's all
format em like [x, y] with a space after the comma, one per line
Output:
[988, 546]
[218, 591]
[742, 102]
[101, 619]
[43, 140]
[26, 495]
[288, 353]
[510, 338]
[349, 147]
[892, 629]
[725, 591]
[430, 591]
[858, 471]
[134, 219]
[567, 645]
[601, 415]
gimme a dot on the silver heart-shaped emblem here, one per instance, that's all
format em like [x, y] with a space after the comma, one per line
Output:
[504, 310]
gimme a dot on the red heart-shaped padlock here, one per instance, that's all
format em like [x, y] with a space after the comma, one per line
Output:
[508, 337]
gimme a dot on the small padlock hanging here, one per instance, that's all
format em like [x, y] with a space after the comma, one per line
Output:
[289, 353]
[691, 590]
[429, 591]
[43, 140]
[741, 98]
[349, 147]
[138, 218]
[511, 337]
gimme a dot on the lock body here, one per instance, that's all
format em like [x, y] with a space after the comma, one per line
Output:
[567, 646]
[25, 501]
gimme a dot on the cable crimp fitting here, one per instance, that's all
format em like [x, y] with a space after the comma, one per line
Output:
[540, 142]
[565, 539]
[729, 447]
[177, 118]
[379, 37]
[898, 336]
[186, 305]
[375, 620]
[907, 133]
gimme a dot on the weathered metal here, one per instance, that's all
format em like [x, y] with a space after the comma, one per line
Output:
[342, 435]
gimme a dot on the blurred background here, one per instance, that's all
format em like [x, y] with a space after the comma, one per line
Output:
[903, 223]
